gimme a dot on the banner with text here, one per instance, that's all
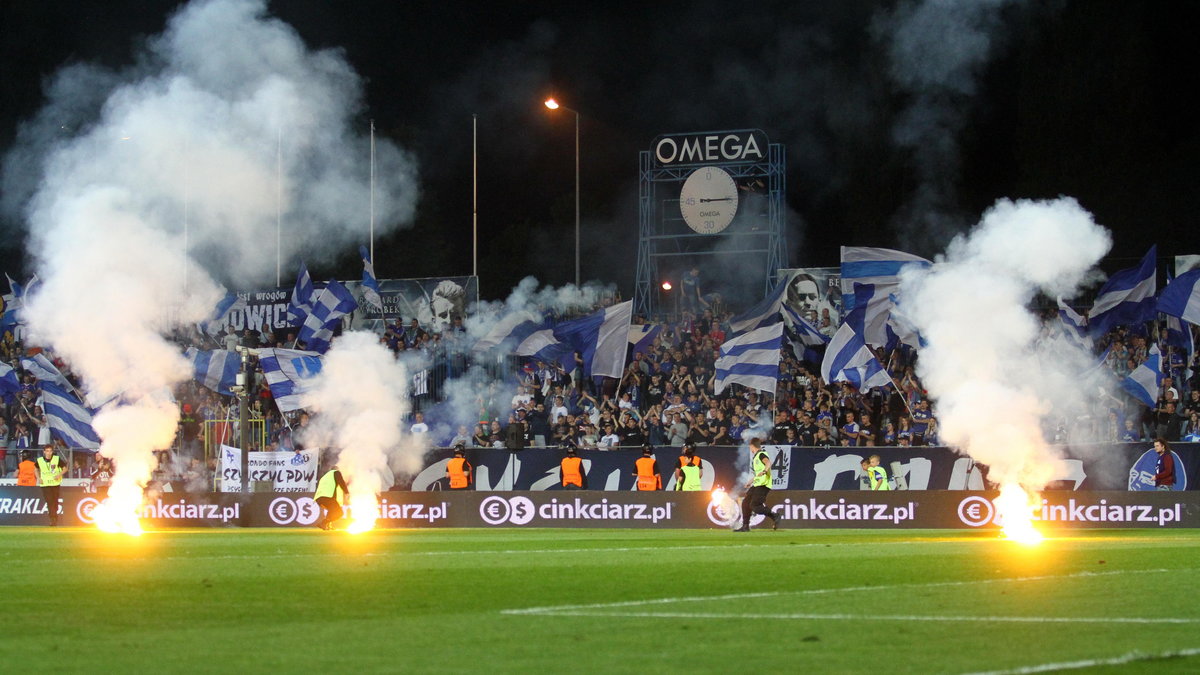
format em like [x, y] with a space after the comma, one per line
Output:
[287, 471]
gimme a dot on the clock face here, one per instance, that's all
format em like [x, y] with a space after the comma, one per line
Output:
[708, 200]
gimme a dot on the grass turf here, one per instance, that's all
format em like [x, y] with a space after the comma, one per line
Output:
[596, 600]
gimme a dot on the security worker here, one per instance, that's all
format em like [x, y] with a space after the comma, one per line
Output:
[50, 474]
[458, 470]
[690, 469]
[648, 478]
[570, 471]
[26, 471]
[879, 477]
[331, 494]
[759, 486]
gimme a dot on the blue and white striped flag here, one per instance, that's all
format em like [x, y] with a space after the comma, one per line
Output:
[848, 359]
[751, 359]
[334, 302]
[44, 370]
[877, 266]
[764, 313]
[512, 328]
[216, 370]
[219, 317]
[1127, 299]
[1073, 324]
[370, 286]
[69, 421]
[602, 338]
[289, 373]
[1181, 297]
[803, 331]
[1144, 381]
[302, 297]
[9, 384]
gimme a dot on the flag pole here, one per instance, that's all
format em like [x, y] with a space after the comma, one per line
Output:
[279, 207]
[372, 232]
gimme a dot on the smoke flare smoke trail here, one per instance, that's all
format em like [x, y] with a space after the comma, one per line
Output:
[185, 160]
[360, 401]
[982, 364]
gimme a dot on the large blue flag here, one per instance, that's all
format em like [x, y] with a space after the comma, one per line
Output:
[751, 360]
[877, 266]
[1181, 297]
[9, 384]
[1127, 298]
[302, 297]
[765, 313]
[602, 339]
[69, 421]
[289, 373]
[370, 286]
[334, 302]
[216, 370]
[848, 359]
[1144, 381]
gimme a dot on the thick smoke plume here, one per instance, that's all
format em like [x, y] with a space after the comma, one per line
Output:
[227, 125]
[983, 364]
[360, 401]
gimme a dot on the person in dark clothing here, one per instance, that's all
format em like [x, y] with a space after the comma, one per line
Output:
[1164, 468]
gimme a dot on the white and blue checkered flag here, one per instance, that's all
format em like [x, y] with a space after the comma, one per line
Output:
[302, 297]
[288, 373]
[216, 369]
[334, 302]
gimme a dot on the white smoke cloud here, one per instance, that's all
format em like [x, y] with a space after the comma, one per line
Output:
[359, 403]
[983, 364]
[227, 123]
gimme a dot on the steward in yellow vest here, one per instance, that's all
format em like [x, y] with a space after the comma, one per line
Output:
[50, 474]
[759, 486]
[690, 470]
[458, 470]
[647, 474]
[331, 494]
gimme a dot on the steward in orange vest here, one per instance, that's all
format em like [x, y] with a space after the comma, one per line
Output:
[458, 470]
[570, 470]
[648, 478]
[26, 471]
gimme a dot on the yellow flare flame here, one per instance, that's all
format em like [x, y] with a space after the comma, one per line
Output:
[1015, 507]
[364, 511]
[718, 496]
[119, 512]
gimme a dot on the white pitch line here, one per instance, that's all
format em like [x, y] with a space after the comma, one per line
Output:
[874, 617]
[1131, 657]
[560, 609]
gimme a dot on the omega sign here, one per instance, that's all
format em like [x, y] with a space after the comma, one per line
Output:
[712, 147]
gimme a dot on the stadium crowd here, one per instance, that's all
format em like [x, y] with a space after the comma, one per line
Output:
[666, 397]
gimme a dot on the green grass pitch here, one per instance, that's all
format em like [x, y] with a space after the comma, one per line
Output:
[541, 601]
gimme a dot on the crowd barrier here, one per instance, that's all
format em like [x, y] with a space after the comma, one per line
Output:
[940, 509]
[1127, 466]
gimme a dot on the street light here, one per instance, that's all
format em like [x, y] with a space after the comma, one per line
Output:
[555, 105]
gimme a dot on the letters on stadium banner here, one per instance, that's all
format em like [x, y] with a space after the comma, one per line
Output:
[288, 471]
[941, 509]
[1100, 467]
[431, 301]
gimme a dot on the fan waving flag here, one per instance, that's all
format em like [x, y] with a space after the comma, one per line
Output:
[848, 359]
[1127, 299]
[1144, 381]
[370, 286]
[9, 384]
[216, 370]
[302, 298]
[289, 373]
[334, 302]
[1181, 297]
[69, 421]
[513, 329]
[751, 359]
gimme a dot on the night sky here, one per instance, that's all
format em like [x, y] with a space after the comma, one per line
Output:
[901, 124]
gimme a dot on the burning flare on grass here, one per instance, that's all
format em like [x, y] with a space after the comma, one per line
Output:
[1015, 508]
[718, 495]
[364, 511]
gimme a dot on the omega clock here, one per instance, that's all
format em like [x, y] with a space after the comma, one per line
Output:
[708, 200]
